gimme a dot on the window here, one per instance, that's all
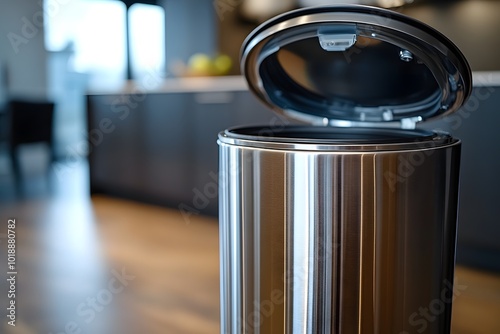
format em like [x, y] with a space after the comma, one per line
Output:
[147, 39]
[96, 32]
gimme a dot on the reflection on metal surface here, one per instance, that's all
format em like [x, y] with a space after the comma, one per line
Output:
[318, 241]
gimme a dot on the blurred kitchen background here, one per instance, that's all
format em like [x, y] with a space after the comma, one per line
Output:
[125, 100]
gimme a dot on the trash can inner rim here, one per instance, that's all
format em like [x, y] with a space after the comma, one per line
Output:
[315, 134]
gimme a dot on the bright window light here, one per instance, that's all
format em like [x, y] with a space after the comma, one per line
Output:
[95, 30]
[147, 39]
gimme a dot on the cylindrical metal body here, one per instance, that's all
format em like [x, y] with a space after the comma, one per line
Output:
[337, 230]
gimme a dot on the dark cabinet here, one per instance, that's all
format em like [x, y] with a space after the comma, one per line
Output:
[162, 147]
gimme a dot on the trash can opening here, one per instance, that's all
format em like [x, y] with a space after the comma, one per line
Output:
[331, 135]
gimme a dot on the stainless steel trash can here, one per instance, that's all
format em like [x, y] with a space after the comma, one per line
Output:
[346, 224]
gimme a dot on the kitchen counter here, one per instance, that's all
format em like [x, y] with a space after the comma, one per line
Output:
[154, 84]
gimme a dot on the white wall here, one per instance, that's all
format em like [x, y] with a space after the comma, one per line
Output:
[22, 47]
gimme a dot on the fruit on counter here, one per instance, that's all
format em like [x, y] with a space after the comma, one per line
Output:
[201, 64]
[222, 64]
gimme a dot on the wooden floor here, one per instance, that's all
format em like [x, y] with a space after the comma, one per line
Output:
[113, 266]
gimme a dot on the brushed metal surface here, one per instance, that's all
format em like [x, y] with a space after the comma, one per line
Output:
[318, 241]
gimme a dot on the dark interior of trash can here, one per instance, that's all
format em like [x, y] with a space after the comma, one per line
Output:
[304, 77]
[332, 134]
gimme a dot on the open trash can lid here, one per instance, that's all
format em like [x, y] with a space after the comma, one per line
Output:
[355, 66]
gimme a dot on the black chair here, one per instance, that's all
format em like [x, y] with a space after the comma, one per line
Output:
[29, 122]
[3, 125]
